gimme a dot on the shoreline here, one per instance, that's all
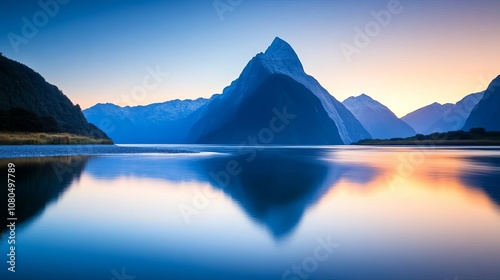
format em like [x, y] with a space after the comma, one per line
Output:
[42, 138]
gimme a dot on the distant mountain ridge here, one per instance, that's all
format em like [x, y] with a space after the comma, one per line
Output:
[423, 118]
[166, 122]
[443, 118]
[28, 103]
[455, 118]
[379, 120]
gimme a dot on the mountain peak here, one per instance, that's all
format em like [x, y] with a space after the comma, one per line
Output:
[362, 98]
[280, 49]
[365, 96]
[279, 46]
[279, 58]
[363, 102]
[379, 120]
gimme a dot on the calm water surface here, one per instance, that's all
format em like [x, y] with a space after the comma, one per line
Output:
[211, 212]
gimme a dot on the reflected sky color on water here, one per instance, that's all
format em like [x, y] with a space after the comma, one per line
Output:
[226, 213]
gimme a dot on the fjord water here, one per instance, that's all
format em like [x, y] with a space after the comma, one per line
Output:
[154, 212]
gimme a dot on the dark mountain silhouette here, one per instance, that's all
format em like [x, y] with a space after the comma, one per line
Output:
[486, 178]
[40, 181]
[486, 114]
[30, 104]
[279, 111]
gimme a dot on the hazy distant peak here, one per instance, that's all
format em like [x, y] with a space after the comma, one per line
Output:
[364, 97]
[438, 107]
[362, 102]
[379, 120]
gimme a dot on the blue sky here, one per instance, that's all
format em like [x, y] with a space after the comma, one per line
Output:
[105, 51]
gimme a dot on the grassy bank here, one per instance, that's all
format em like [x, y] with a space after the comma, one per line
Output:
[18, 138]
[474, 137]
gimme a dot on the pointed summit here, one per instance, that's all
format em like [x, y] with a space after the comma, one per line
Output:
[280, 48]
[280, 57]
[275, 77]
[364, 96]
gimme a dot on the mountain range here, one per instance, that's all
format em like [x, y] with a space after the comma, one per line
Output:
[442, 118]
[456, 116]
[273, 101]
[167, 122]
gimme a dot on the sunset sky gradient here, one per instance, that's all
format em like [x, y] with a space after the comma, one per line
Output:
[99, 51]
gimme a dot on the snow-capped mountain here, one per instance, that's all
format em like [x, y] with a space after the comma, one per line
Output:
[423, 118]
[379, 120]
[486, 113]
[454, 118]
[166, 122]
[279, 64]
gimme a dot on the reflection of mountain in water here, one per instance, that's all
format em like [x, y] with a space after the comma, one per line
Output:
[275, 188]
[278, 186]
[39, 181]
[486, 178]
